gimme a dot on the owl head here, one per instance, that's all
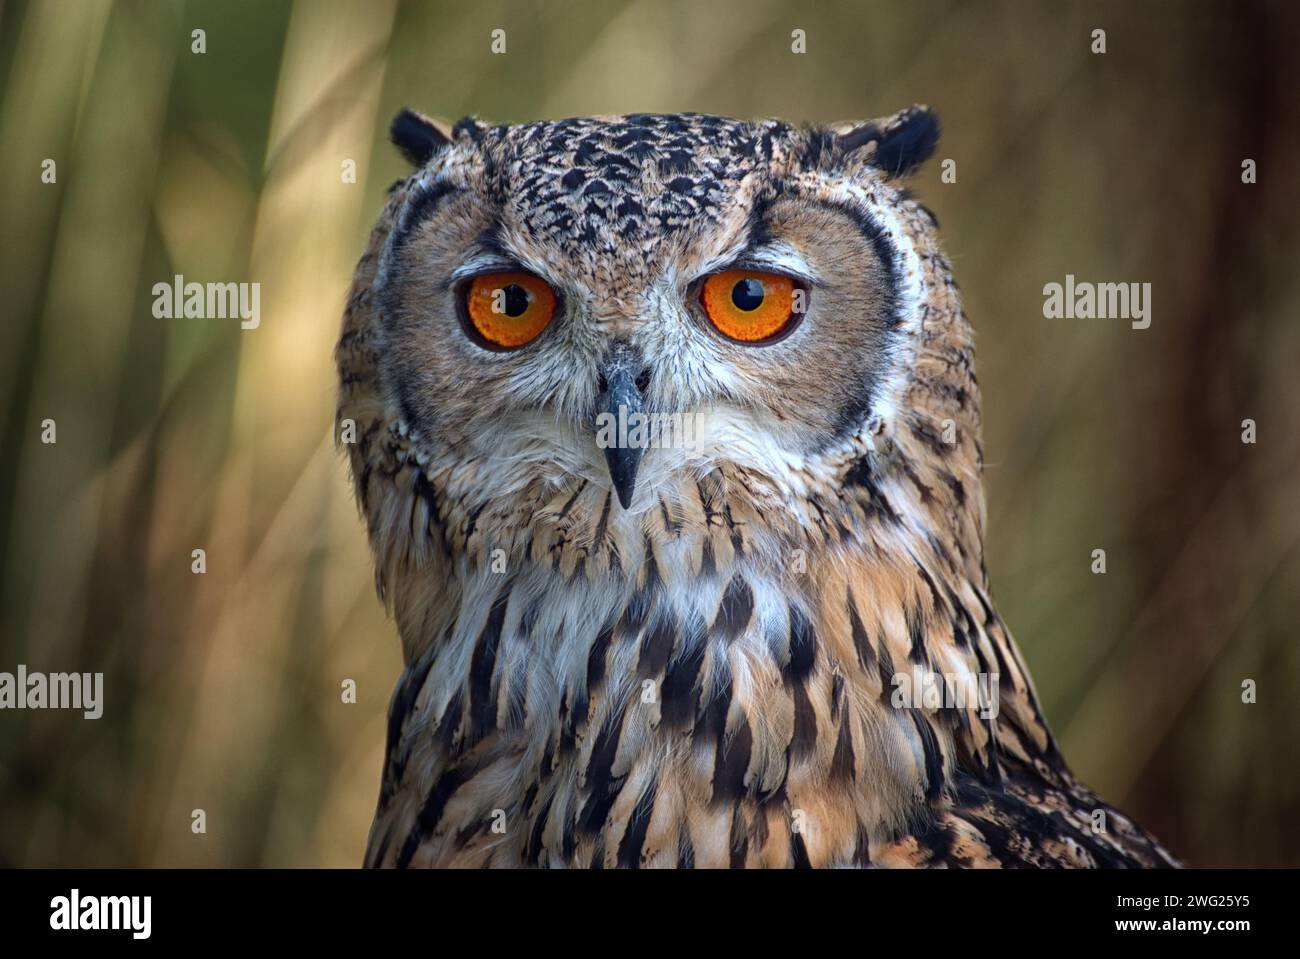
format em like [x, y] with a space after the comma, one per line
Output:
[766, 301]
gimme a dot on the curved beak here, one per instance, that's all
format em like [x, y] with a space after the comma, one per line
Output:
[619, 411]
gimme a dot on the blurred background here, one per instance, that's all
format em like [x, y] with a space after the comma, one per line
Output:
[222, 690]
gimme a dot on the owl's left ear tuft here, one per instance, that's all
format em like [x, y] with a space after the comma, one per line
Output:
[895, 145]
[417, 136]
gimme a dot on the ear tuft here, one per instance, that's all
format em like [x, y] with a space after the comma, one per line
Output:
[417, 136]
[902, 142]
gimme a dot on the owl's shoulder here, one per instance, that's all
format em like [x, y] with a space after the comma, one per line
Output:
[1037, 817]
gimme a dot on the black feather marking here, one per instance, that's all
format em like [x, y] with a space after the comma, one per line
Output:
[530, 797]
[739, 839]
[731, 762]
[708, 566]
[471, 521]
[842, 760]
[564, 511]
[861, 641]
[637, 611]
[596, 659]
[958, 490]
[924, 432]
[679, 693]
[568, 840]
[803, 647]
[449, 723]
[431, 812]
[934, 590]
[404, 697]
[713, 722]
[571, 718]
[629, 850]
[735, 610]
[989, 616]
[657, 646]
[804, 736]
[602, 786]
[862, 851]
[799, 852]
[861, 474]
[420, 208]
[534, 848]
[887, 674]
[685, 850]
[915, 634]
[933, 756]
[482, 706]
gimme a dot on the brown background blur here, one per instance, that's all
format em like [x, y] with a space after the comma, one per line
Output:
[222, 691]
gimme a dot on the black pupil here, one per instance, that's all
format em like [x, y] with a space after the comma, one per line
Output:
[747, 294]
[516, 299]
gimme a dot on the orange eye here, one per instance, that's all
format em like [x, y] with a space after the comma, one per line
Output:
[508, 310]
[751, 306]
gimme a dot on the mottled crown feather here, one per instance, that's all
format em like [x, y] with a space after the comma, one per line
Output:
[896, 145]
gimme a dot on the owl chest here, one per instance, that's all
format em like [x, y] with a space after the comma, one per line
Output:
[698, 722]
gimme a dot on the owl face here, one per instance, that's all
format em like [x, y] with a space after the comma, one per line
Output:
[731, 278]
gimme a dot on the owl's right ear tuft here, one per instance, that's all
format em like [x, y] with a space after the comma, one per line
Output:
[895, 145]
[417, 136]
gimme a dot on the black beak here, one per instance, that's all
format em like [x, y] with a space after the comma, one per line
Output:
[618, 410]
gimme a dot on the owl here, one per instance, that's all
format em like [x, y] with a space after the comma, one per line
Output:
[666, 434]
